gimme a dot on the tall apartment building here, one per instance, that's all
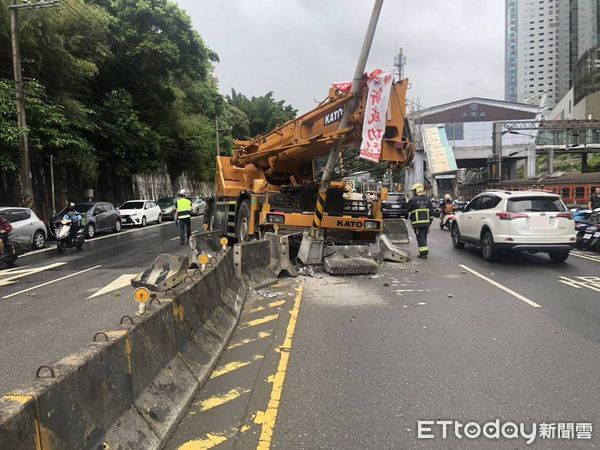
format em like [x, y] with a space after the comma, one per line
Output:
[537, 49]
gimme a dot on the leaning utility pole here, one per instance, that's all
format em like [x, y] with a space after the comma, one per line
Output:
[348, 109]
[14, 7]
[311, 247]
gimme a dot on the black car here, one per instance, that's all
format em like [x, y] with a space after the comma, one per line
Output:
[96, 217]
[168, 206]
[395, 206]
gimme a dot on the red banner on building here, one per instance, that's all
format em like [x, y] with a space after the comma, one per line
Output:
[380, 84]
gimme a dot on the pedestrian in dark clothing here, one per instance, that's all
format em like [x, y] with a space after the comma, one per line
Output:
[420, 214]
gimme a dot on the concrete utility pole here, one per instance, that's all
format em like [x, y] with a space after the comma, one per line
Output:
[14, 7]
[348, 109]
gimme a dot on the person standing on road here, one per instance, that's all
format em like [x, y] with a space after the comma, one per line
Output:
[595, 199]
[420, 214]
[184, 217]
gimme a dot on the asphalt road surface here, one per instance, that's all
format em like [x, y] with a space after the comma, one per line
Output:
[47, 304]
[326, 362]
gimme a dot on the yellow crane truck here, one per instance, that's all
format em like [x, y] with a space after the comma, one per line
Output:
[273, 180]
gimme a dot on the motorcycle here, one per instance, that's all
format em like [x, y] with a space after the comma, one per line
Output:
[9, 256]
[587, 229]
[66, 238]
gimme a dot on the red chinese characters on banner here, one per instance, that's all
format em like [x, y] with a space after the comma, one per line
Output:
[380, 84]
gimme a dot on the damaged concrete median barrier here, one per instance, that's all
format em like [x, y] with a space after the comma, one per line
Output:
[130, 388]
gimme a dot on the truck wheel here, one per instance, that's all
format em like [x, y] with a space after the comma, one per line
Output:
[242, 222]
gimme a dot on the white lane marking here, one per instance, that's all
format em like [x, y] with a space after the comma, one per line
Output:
[586, 256]
[120, 282]
[11, 276]
[502, 287]
[121, 233]
[176, 238]
[51, 282]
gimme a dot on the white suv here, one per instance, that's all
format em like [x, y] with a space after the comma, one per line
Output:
[498, 220]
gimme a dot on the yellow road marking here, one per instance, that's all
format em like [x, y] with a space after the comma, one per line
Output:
[22, 399]
[234, 365]
[502, 287]
[270, 305]
[211, 440]
[268, 418]
[261, 335]
[255, 322]
[218, 400]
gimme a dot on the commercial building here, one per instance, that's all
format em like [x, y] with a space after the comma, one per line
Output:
[537, 47]
[454, 143]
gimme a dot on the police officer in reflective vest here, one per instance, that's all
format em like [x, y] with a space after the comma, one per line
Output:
[184, 216]
[420, 213]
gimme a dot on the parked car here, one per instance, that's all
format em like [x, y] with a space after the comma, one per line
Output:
[25, 223]
[395, 206]
[96, 217]
[198, 206]
[168, 206]
[532, 221]
[140, 212]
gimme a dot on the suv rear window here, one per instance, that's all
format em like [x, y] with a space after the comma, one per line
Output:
[535, 204]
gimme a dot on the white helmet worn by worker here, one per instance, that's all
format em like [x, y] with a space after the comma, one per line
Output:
[182, 192]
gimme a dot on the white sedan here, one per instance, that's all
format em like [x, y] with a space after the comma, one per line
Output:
[140, 212]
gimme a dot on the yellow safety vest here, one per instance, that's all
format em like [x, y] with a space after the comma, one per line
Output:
[419, 217]
[184, 208]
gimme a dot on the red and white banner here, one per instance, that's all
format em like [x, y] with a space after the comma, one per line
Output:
[380, 86]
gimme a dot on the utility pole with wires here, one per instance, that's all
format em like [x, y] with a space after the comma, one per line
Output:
[14, 7]
[311, 247]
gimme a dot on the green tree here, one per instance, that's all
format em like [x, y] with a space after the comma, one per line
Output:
[49, 130]
[264, 113]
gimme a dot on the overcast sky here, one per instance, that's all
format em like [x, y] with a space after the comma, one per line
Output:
[296, 48]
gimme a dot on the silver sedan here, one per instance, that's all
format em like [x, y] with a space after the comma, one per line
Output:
[25, 223]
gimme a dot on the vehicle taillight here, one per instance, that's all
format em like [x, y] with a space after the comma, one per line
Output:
[565, 215]
[511, 216]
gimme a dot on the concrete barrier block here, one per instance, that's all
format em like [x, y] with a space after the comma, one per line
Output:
[280, 254]
[351, 260]
[205, 243]
[130, 431]
[18, 422]
[164, 400]
[396, 230]
[251, 260]
[130, 392]
[91, 391]
[166, 272]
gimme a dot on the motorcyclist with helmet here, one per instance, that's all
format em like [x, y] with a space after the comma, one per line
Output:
[448, 208]
[73, 216]
[420, 214]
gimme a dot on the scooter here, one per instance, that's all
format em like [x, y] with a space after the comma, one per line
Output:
[9, 256]
[66, 239]
[446, 221]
